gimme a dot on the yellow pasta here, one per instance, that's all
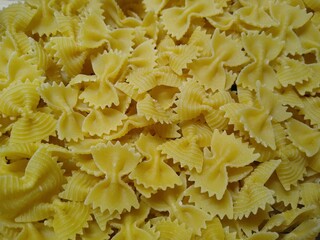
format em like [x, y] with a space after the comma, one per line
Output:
[157, 119]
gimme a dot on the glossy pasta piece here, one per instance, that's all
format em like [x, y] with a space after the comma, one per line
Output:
[171, 229]
[214, 166]
[33, 128]
[100, 94]
[222, 208]
[78, 186]
[99, 122]
[150, 109]
[304, 137]
[177, 19]
[103, 218]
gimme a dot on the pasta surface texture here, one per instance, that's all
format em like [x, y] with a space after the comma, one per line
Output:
[158, 119]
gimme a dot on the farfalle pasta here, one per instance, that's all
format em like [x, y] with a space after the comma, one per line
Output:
[157, 119]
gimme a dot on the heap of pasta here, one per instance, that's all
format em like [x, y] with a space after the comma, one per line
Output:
[158, 119]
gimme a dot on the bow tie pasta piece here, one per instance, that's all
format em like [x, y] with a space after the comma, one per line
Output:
[20, 100]
[177, 19]
[68, 54]
[42, 180]
[95, 33]
[108, 65]
[112, 193]
[213, 178]
[154, 172]
[187, 151]
[263, 49]
[288, 18]
[226, 52]
[192, 101]
[255, 13]
[64, 99]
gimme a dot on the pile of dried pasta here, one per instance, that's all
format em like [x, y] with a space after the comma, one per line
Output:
[158, 119]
